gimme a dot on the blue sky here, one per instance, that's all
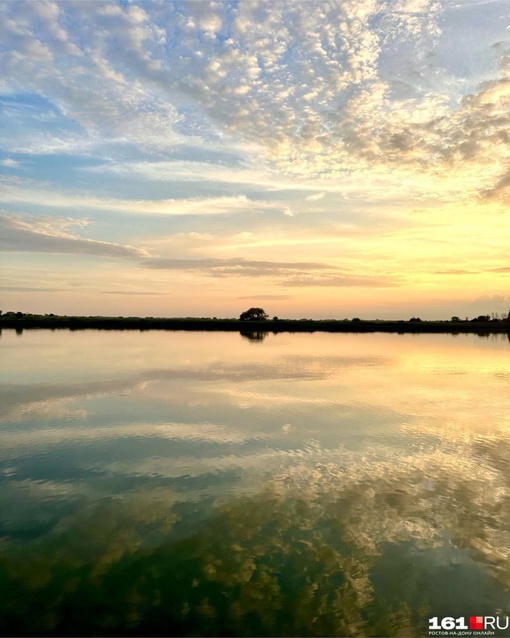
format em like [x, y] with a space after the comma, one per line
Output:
[326, 159]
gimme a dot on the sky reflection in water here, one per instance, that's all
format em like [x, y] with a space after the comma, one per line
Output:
[198, 483]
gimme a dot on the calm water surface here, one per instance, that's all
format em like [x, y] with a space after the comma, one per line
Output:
[185, 483]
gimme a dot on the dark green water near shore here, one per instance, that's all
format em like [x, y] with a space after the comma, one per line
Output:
[213, 484]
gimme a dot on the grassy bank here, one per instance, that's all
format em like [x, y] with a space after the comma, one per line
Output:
[21, 321]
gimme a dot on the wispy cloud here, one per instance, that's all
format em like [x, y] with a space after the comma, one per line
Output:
[220, 267]
[342, 281]
[24, 234]
[289, 274]
[502, 269]
[131, 292]
[10, 163]
[27, 192]
[315, 197]
[29, 289]
[267, 297]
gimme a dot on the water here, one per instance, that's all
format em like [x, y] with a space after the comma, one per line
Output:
[185, 483]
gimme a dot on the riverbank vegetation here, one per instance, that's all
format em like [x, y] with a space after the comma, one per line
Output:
[261, 323]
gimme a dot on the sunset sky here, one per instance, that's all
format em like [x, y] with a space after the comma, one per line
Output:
[317, 158]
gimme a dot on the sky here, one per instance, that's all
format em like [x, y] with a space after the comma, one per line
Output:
[318, 158]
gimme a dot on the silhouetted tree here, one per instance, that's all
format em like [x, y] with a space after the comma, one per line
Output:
[254, 314]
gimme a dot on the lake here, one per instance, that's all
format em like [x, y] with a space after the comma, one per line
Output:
[184, 483]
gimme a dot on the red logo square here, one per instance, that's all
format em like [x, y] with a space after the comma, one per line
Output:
[476, 622]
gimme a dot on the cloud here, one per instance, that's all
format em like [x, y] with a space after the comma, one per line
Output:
[10, 163]
[342, 281]
[13, 190]
[456, 271]
[51, 235]
[246, 174]
[286, 273]
[71, 68]
[460, 271]
[314, 91]
[241, 267]
[267, 297]
[25, 289]
[130, 292]
[501, 189]
[315, 197]
[490, 301]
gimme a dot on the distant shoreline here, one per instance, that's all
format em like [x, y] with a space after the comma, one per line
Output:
[29, 321]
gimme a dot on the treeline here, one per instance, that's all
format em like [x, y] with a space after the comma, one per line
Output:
[482, 323]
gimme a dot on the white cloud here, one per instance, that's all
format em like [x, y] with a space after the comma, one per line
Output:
[315, 197]
[71, 68]
[10, 163]
[312, 89]
[28, 192]
[386, 182]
